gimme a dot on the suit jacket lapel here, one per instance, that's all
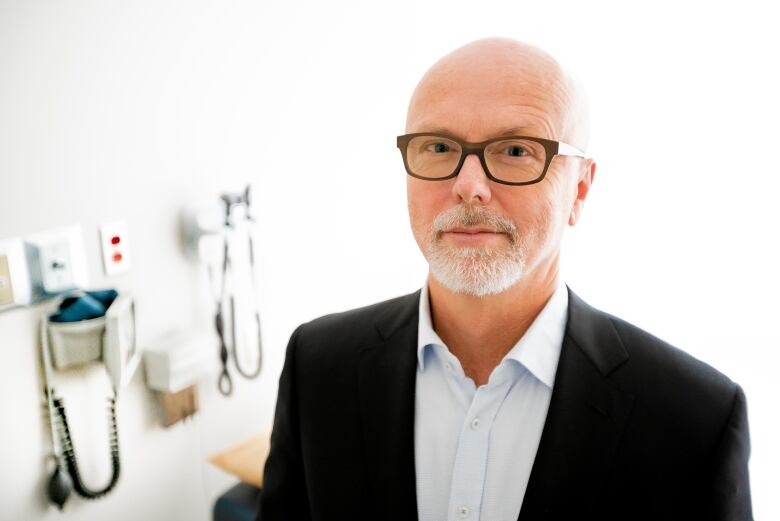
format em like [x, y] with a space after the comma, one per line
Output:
[386, 382]
[584, 421]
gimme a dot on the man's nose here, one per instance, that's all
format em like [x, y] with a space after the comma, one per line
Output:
[472, 184]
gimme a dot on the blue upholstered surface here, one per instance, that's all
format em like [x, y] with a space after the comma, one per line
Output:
[239, 503]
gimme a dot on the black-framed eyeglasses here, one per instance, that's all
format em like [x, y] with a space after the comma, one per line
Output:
[510, 160]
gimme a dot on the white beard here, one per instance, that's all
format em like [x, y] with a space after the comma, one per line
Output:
[475, 270]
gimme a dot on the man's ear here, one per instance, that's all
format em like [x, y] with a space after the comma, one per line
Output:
[585, 179]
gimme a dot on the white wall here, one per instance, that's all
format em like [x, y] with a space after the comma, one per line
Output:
[132, 110]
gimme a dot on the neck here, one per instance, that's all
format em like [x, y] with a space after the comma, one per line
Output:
[480, 331]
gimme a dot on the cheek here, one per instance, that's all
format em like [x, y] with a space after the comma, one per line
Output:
[418, 217]
[533, 212]
[522, 206]
[424, 203]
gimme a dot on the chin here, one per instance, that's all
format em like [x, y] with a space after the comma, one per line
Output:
[476, 271]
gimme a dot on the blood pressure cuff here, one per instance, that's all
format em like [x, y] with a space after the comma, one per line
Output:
[89, 304]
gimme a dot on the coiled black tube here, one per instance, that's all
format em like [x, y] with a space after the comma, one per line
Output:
[63, 431]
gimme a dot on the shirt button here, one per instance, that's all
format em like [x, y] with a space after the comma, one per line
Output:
[464, 511]
[475, 423]
[448, 366]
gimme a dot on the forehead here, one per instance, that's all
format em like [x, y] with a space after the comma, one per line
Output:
[476, 102]
[514, 130]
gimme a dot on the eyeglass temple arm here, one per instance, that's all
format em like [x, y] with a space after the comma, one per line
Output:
[568, 150]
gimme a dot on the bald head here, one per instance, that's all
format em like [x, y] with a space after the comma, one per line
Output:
[499, 81]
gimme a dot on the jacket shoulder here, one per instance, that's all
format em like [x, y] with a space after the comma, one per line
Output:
[657, 356]
[673, 388]
[347, 332]
[637, 359]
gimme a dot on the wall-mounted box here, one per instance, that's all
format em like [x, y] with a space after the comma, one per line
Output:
[56, 261]
[41, 265]
[176, 360]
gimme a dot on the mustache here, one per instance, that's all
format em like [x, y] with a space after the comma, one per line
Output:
[468, 215]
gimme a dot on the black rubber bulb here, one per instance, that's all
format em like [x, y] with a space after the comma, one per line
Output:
[60, 486]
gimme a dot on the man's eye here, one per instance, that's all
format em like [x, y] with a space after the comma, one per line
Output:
[439, 147]
[516, 151]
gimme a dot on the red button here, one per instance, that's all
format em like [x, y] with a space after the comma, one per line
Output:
[117, 257]
[115, 239]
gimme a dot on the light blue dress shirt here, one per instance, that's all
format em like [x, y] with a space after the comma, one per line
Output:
[474, 447]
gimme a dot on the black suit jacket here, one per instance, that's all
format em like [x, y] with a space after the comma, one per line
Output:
[636, 429]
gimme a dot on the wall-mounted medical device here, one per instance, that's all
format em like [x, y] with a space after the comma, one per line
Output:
[173, 364]
[41, 265]
[176, 360]
[87, 327]
[221, 236]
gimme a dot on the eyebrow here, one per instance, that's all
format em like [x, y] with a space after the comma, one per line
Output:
[507, 131]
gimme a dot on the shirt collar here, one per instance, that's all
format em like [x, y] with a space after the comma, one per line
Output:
[537, 350]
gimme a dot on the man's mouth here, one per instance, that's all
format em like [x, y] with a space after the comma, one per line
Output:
[471, 236]
[470, 230]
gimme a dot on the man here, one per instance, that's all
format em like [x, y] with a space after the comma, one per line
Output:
[495, 393]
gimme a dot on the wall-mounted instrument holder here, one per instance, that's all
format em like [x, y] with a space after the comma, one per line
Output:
[88, 327]
[221, 237]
